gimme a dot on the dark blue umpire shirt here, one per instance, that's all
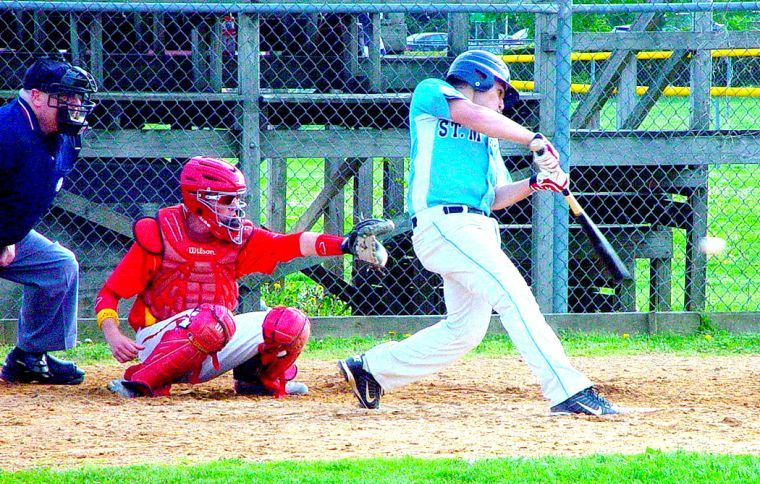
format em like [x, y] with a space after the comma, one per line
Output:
[32, 169]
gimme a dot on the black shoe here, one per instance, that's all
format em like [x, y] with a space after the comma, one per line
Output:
[24, 367]
[367, 390]
[257, 389]
[585, 402]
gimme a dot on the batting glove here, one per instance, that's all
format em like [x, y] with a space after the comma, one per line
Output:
[548, 160]
[554, 181]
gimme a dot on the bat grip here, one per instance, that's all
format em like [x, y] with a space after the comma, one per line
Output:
[537, 145]
[575, 207]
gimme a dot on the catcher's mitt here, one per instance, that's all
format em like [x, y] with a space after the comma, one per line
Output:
[362, 242]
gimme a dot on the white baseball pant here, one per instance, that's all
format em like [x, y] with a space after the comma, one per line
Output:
[242, 347]
[465, 249]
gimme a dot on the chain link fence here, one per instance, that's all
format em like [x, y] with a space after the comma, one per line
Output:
[656, 108]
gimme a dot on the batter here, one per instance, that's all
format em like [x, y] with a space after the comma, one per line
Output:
[457, 177]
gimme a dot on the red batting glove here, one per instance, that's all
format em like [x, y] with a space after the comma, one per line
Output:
[555, 181]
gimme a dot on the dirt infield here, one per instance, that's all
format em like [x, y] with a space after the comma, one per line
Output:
[477, 408]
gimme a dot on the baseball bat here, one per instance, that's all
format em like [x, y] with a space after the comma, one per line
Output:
[602, 247]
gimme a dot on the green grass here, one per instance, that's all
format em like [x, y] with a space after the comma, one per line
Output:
[672, 113]
[707, 342]
[576, 344]
[652, 466]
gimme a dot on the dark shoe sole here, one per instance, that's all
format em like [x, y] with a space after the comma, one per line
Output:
[123, 390]
[26, 377]
[349, 377]
[291, 388]
[618, 411]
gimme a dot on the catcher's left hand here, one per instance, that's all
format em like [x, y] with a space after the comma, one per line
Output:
[362, 242]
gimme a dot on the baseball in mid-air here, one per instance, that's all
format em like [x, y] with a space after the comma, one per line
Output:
[712, 245]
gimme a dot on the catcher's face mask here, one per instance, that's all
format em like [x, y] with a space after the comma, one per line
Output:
[225, 213]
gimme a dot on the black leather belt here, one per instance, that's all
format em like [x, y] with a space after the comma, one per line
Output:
[447, 209]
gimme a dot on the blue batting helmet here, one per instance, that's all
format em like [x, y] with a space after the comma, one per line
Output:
[480, 69]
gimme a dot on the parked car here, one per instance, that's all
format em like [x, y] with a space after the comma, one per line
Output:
[500, 44]
[679, 24]
[427, 41]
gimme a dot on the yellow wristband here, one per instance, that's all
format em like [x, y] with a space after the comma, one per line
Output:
[106, 313]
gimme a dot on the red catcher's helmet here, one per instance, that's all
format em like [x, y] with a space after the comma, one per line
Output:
[213, 189]
[284, 327]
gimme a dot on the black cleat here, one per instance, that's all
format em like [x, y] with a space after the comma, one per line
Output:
[367, 390]
[24, 367]
[586, 402]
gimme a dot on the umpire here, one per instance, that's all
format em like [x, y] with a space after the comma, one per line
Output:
[39, 143]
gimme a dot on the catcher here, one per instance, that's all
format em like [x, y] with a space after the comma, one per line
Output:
[183, 267]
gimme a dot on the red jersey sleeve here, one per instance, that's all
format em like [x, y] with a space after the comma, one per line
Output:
[265, 249]
[129, 278]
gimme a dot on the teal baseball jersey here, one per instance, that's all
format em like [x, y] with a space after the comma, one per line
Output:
[450, 164]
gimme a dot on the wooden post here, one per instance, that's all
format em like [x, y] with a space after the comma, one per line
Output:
[139, 26]
[375, 72]
[626, 101]
[277, 191]
[393, 187]
[363, 197]
[96, 48]
[700, 83]
[353, 46]
[701, 77]
[696, 261]
[250, 149]
[542, 239]
[626, 92]
[334, 213]
[628, 287]
[196, 59]
[38, 32]
[660, 286]
[248, 82]
[74, 39]
[20, 39]
[459, 33]
[216, 80]
[363, 192]
[159, 32]
[562, 108]
[311, 26]
[595, 121]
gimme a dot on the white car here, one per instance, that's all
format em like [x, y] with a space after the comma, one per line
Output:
[427, 41]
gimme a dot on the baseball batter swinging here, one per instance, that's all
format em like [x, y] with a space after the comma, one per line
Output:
[457, 177]
[183, 267]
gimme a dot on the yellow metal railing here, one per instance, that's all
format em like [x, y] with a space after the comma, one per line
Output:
[678, 91]
[643, 55]
[640, 90]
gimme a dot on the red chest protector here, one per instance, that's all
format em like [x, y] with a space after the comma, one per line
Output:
[190, 273]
